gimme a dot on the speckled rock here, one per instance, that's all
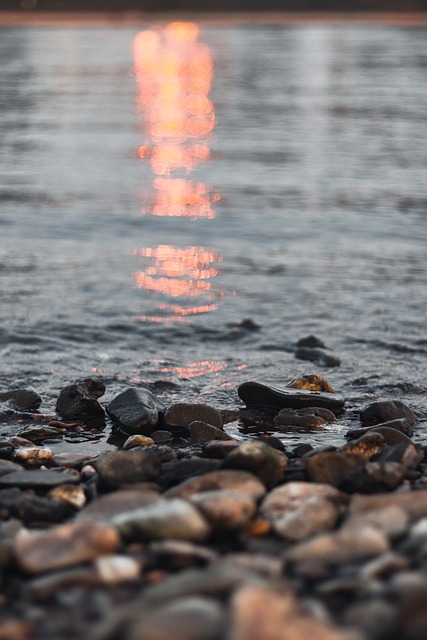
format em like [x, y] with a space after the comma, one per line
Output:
[298, 510]
[172, 518]
[260, 459]
[80, 400]
[116, 468]
[182, 414]
[135, 411]
[64, 546]
[34, 456]
[225, 509]
[385, 410]
[232, 479]
[137, 440]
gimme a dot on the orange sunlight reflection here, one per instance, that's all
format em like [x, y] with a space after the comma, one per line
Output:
[174, 73]
[174, 76]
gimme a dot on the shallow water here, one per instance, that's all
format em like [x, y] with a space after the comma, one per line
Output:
[160, 184]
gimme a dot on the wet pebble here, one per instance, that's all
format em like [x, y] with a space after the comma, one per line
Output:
[182, 414]
[21, 399]
[263, 461]
[34, 456]
[137, 440]
[80, 400]
[106, 507]
[135, 411]
[400, 424]
[333, 467]
[202, 432]
[317, 355]
[386, 410]
[117, 468]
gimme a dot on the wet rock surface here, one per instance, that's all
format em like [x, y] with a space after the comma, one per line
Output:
[181, 534]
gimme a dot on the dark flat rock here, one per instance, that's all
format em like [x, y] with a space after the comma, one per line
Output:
[21, 399]
[256, 394]
[39, 478]
[386, 410]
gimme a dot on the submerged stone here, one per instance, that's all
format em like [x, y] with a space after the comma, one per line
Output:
[21, 399]
[319, 356]
[135, 411]
[256, 394]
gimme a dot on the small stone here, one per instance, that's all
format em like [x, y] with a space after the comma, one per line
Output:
[312, 382]
[177, 471]
[225, 509]
[299, 510]
[219, 449]
[202, 432]
[260, 459]
[160, 436]
[386, 410]
[176, 555]
[257, 394]
[75, 496]
[406, 453]
[64, 546]
[192, 618]
[30, 508]
[232, 479]
[21, 399]
[173, 518]
[39, 433]
[367, 445]
[341, 547]
[137, 440]
[311, 341]
[79, 400]
[114, 569]
[135, 411]
[385, 564]
[319, 356]
[293, 417]
[116, 468]
[182, 414]
[34, 456]
[375, 477]
[106, 507]
[70, 459]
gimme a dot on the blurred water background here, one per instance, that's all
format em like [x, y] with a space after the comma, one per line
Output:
[182, 202]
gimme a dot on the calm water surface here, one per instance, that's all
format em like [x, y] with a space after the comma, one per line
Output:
[161, 184]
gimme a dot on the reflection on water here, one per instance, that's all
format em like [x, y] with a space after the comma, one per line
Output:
[174, 74]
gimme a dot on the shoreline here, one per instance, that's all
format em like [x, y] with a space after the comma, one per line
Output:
[59, 19]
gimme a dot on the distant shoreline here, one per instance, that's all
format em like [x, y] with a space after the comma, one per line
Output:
[100, 18]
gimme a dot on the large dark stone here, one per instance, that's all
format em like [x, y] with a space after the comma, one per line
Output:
[135, 411]
[256, 394]
[385, 410]
[79, 400]
[21, 399]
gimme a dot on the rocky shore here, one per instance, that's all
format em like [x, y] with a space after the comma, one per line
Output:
[184, 533]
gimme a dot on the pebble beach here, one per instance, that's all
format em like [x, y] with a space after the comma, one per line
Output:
[184, 532]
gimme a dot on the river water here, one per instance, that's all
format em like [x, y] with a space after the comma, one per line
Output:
[181, 203]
